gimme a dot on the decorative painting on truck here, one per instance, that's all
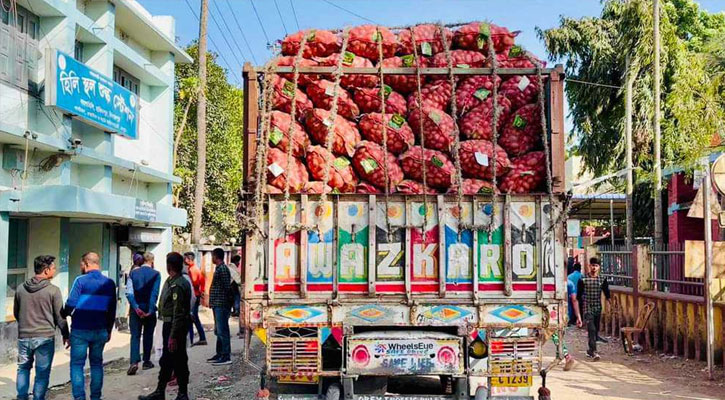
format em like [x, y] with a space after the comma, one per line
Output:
[353, 244]
[459, 247]
[490, 247]
[320, 246]
[390, 247]
[285, 245]
[423, 252]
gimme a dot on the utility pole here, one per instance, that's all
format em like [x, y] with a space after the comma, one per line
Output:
[201, 129]
[628, 136]
[657, 133]
[707, 222]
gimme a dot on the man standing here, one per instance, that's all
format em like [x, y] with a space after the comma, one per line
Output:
[220, 301]
[174, 310]
[198, 284]
[92, 307]
[142, 292]
[571, 284]
[589, 295]
[37, 308]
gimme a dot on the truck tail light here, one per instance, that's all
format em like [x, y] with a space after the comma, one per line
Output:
[361, 355]
[447, 356]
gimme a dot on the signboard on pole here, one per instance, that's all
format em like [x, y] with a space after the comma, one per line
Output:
[695, 259]
[90, 96]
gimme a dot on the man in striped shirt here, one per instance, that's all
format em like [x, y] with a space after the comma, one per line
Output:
[92, 308]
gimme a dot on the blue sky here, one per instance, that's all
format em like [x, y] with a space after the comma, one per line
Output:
[231, 15]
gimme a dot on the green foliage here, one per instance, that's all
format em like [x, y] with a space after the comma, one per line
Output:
[596, 50]
[224, 147]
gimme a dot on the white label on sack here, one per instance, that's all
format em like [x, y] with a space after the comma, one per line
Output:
[481, 158]
[524, 83]
[327, 122]
[330, 90]
[275, 169]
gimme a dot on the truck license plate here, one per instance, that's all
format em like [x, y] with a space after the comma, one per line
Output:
[524, 380]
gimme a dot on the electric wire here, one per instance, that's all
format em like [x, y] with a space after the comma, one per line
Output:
[280, 17]
[234, 54]
[350, 12]
[294, 12]
[261, 25]
[224, 21]
[244, 37]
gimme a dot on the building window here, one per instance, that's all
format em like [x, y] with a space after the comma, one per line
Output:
[126, 80]
[19, 47]
[78, 51]
[17, 254]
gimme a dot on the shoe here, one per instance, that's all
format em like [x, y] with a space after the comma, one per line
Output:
[213, 359]
[222, 361]
[132, 370]
[155, 395]
[569, 364]
[601, 339]
[199, 343]
[594, 356]
[147, 365]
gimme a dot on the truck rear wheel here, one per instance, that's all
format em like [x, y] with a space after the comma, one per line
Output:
[334, 392]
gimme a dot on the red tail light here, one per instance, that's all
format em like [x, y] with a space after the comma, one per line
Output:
[446, 356]
[361, 355]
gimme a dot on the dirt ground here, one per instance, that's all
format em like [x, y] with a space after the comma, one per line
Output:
[616, 376]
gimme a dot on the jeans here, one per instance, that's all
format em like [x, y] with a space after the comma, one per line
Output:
[87, 343]
[41, 350]
[176, 362]
[196, 322]
[221, 330]
[592, 319]
[237, 298]
[137, 325]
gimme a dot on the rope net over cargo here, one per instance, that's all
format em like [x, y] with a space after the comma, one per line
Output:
[420, 110]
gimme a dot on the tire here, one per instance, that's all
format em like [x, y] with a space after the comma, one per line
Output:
[334, 392]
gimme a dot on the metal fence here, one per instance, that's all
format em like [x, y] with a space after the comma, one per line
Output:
[668, 271]
[616, 264]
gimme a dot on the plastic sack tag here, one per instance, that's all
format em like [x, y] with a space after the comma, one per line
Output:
[377, 36]
[369, 165]
[426, 49]
[311, 36]
[408, 61]
[348, 58]
[481, 159]
[396, 121]
[484, 31]
[516, 51]
[435, 117]
[485, 190]
[524, 83]
[330, 90]
[386, 90]
[482, 94]
[341, 163]
[519, 122]
[275, 136]
[275, 169]
[463, 66]
[436, 161]
[288, 89]
[527, 173]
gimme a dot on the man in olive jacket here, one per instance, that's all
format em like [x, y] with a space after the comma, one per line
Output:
[175, 313]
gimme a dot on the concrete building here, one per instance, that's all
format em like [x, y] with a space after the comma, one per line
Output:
[86, 137]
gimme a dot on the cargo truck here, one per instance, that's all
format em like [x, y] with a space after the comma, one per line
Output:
[349, 292]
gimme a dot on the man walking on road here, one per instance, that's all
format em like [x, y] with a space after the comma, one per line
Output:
[589, 295]
[220, 301]
[198, 284]
[142, 292]
[37, 308]
[92, 307]
[174, 310]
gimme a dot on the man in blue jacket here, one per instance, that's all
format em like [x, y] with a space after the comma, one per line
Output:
[92, 308]
[142, 292]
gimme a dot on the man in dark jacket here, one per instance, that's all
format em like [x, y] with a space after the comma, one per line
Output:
[37, 308]
[175, 312]
[142, 292]
[220, 301]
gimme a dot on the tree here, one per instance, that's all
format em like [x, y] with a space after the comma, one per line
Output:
[188, 90]
[595, 50]
[224, 138]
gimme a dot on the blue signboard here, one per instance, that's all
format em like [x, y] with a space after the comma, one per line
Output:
[89, 95]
